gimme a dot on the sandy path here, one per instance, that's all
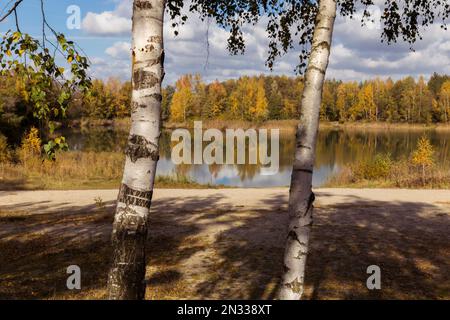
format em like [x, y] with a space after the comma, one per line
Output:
[56, 201]
[51, 201]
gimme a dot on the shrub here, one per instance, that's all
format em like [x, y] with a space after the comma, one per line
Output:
[5, 154]
[379, 167]
[30, 149]
[31, 143]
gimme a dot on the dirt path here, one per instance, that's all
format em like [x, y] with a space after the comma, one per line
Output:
[228, 243]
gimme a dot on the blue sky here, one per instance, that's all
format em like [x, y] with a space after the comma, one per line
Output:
[357, 53]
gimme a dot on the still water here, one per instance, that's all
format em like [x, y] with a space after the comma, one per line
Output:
[335, 149]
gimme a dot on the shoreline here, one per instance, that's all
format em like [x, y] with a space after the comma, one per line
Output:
[283, 125]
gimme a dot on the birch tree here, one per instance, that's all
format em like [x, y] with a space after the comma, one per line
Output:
[129, 236]
[301, 197]
[311, 23]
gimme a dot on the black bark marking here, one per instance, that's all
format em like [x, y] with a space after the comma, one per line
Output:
[323, 45]
[144, 79]
[300, 145]
[303, 170]
[135, 106]
[300, 254]
[153, 62]
[311, 199]
[162, 57]
[149, 48]
[296, 286]
[134, 197]
[155, 39]
[139, 147]
[159, 60]
[156, 96]
[142, 5]
[292, 235]
[317, 69]
[126, 278]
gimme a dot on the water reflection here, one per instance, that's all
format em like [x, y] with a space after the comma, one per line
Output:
[335, 149]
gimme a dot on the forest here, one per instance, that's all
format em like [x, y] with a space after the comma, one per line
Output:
[255, 99]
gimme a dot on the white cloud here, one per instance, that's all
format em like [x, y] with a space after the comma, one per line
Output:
[109, 23]
[110, 68]
[105, 23]
[357, 52]
[119, 50]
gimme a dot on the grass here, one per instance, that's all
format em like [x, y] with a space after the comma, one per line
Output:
[401, 174]
[78, 170]
[285, 126]
[384, 125]
[288, 125]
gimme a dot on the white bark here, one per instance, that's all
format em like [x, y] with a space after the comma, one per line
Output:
[126, 277]
[301, 197]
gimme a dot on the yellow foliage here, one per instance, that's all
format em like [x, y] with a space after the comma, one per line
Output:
[289, 108]
[259, 110]
[182, 99]
[30, 149]
[216, 98]
[423, 155]
[31, 142]
[444, 99]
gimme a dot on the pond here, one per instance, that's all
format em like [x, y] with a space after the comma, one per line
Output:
[335, 149]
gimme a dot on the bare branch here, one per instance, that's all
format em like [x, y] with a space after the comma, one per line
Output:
[13, 9]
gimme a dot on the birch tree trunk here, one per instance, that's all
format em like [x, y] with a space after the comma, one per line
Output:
[301, 197]
[127, 274]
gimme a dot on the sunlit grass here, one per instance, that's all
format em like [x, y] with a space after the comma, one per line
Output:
[78, 170]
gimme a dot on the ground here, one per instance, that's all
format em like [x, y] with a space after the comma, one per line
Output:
[228, 243]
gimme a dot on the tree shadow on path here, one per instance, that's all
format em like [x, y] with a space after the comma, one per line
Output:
[201, 248]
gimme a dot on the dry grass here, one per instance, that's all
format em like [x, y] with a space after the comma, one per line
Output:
[77, 170]
[232, 253]
[361, 125]
[282, 125]
[400, 174]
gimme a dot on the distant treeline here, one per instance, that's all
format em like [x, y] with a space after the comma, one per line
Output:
[279, 97]
[248, 98]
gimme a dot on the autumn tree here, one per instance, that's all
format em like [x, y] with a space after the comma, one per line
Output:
[258, 110]
[423, 156]
[365, 107]
[216, 100]
[444, 101]
[182, 100]
[347, 98]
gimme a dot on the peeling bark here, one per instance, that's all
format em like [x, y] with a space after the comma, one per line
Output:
[126, 279]
[301, 197]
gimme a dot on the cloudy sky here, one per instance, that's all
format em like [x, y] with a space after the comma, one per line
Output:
[105, 36]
